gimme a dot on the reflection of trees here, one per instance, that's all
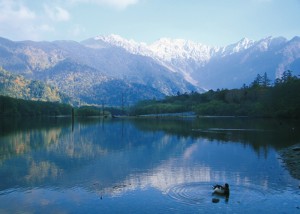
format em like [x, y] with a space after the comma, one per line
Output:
[260, 134]
[22, 142]
[23, 135]
[112, 155]
[9, 126]
[42, 170]
[60, 156]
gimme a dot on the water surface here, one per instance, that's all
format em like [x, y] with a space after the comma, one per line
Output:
[146, 166]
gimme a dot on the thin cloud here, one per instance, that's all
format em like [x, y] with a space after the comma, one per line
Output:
[76, 31]
[17, 21]
[16, 11]
[57, 13]
[119, 4]
[46, 28]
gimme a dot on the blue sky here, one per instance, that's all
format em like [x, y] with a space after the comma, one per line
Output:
[211, 22]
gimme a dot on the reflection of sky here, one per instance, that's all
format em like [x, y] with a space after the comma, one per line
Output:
[201, 161]
[96, 160]
[213, 162]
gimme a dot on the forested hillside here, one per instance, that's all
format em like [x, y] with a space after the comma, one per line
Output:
[17, 86]
[259, 99]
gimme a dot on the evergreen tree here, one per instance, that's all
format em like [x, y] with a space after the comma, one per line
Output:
[257, 81]
[266, 82]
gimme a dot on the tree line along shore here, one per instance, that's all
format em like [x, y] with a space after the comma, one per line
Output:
[260, 99]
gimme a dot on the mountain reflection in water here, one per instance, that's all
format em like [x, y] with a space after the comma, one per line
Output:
[110, 158]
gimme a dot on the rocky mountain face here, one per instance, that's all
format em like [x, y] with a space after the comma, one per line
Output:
[116, 71]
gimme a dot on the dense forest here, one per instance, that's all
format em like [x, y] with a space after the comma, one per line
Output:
[17, 86]
[87, 111]
[12, 107]
[259, 99]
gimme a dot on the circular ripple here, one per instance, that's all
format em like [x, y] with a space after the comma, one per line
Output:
[190, 193]
[201, 193]
[249, 194]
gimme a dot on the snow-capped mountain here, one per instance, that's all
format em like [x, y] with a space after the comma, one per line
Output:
[242, 45]
[109, 68]
[171, 53]
[216, 67]
[164, 49]
[167, 49]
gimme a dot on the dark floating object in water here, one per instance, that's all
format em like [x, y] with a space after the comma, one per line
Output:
[215, 200]
[119, 186]
[296, 149]
[221, 190]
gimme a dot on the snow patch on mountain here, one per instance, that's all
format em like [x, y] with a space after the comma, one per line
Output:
[170, 50]
[242, 45]
[190, 58]
[175, 54]
[164, 49]
[179, 55]
[129, 45]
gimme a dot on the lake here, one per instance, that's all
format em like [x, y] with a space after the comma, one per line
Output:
[51, 165]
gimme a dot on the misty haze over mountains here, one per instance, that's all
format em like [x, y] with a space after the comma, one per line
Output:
[107, 69]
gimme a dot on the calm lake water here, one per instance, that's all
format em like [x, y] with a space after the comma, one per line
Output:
[146, 166]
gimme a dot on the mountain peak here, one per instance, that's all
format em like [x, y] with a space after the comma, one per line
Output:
[162, 68]
[169, 49]
[185, 56]
[112, 38]
[241, 45]
[245, 41]
[129, 45]
[295, 39]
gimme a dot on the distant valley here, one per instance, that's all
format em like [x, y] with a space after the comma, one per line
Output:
[114, 71]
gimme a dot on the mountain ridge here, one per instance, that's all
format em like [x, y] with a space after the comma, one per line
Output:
[94, 70]
[92, 74]
[190, 58]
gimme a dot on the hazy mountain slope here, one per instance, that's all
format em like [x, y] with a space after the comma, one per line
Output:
[91, 86]
[79, 70]
[235, 69]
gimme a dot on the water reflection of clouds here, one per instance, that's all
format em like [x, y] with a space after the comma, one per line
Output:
[143, 160]
[169, 174]
[161, 178]
[195, 165]
[191, 150]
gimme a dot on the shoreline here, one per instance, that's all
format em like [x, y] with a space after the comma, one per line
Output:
[290, 158]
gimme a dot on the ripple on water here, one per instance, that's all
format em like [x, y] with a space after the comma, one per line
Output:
[200, 194]
[190, 193]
